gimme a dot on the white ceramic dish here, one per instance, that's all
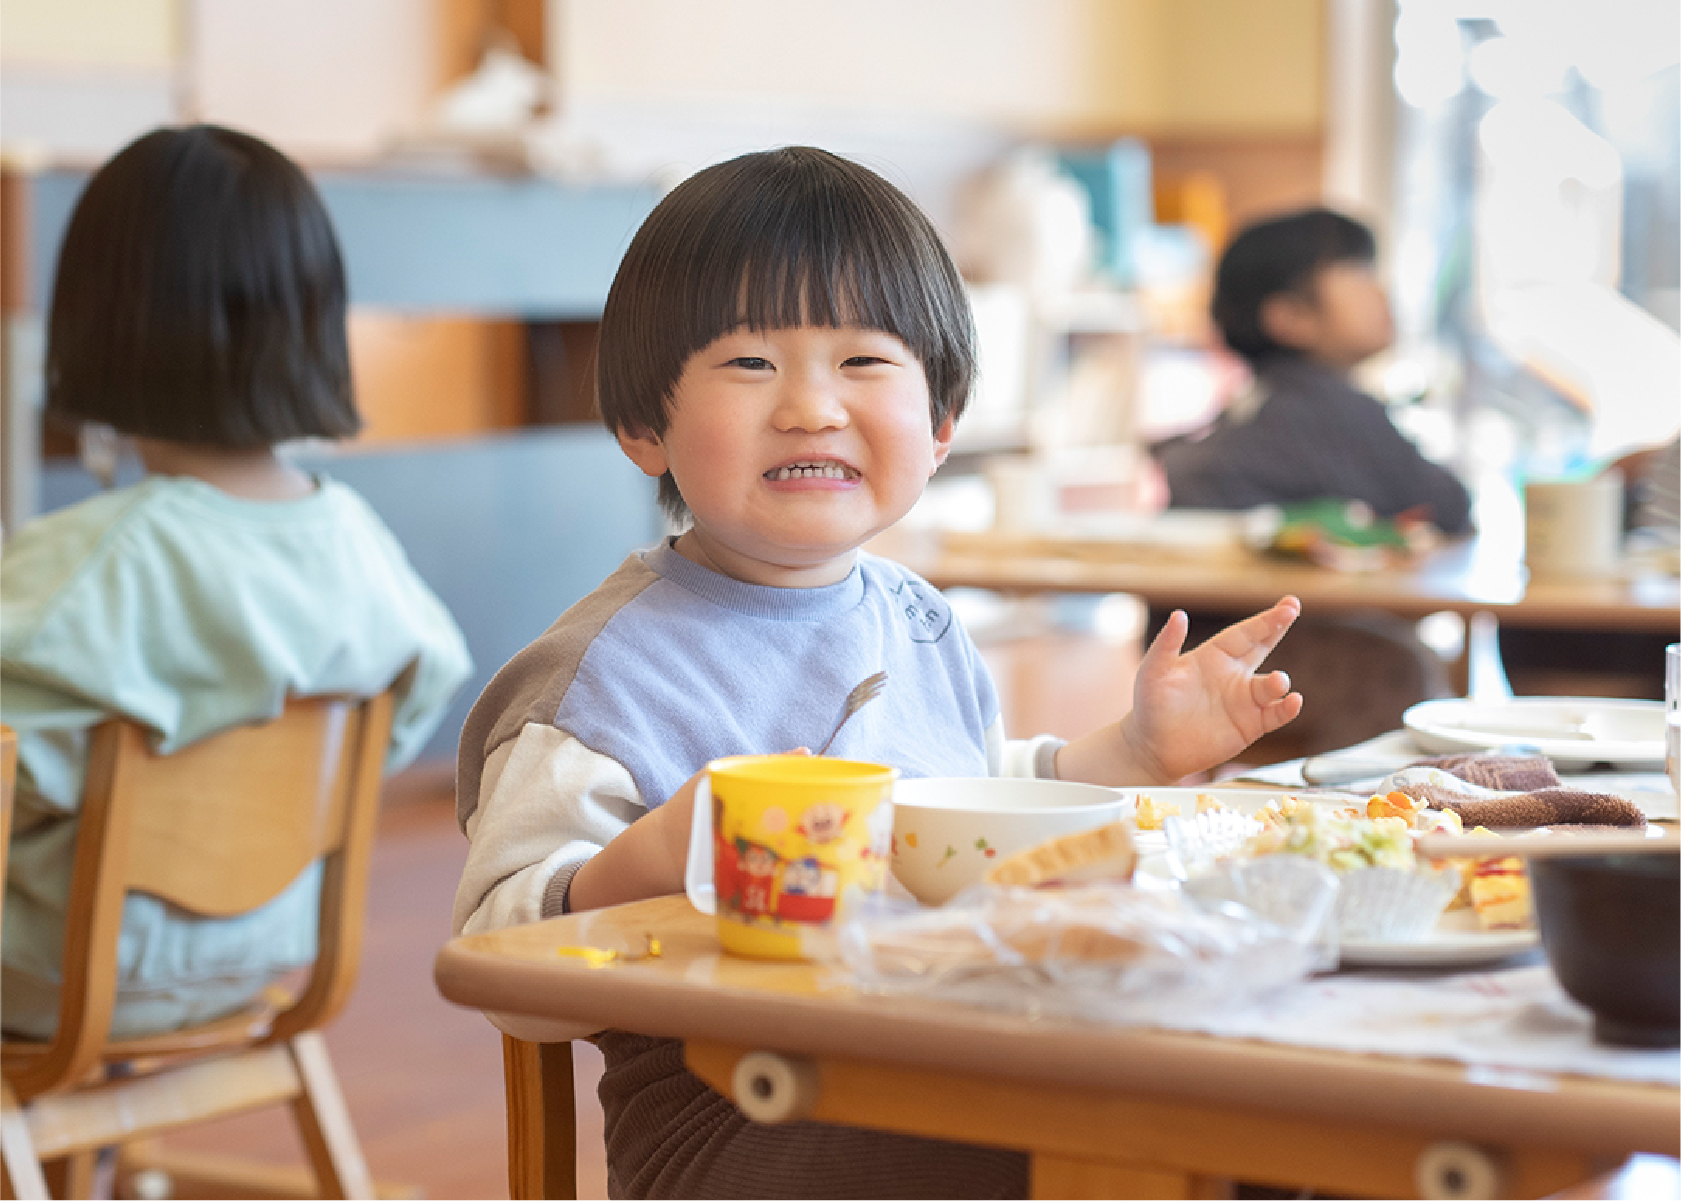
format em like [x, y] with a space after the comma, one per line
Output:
[1458, 941]
[947, 830]
[1566, 729]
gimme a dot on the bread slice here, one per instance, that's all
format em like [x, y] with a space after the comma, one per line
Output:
[1103, 853]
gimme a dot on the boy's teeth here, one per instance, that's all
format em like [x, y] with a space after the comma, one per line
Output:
[796, 471]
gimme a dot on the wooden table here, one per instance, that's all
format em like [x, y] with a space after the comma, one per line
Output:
[1104, 1111]
[1465, 576]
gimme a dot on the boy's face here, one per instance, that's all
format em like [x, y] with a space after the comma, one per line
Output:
[1342, 322]
[792, 447]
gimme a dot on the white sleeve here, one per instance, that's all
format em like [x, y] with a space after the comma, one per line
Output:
[1021, 756]
[547, 803]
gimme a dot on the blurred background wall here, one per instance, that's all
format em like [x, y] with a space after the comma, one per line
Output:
[486, 161]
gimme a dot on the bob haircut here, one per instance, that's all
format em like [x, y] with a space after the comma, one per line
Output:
[1275, 256]
[200, 298]
[773, 240]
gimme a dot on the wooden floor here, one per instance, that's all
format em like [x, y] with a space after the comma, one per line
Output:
[423, 1079]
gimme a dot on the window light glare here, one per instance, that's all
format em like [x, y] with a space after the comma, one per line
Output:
[1507, 68]
[1543, 140]
[1429, 61]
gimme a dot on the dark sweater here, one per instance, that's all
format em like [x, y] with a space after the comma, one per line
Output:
[1312, 434]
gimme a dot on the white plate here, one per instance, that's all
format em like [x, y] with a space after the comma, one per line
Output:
[1458, 941]
[1568, 730]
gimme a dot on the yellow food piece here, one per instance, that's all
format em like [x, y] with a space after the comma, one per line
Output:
[1151, 815]
[1104, 853]
[1500, 894]
[1394, 805]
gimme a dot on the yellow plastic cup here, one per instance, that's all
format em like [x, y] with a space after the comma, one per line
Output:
[781, 844]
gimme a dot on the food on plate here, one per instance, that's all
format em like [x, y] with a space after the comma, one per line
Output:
[1500, 894]
[1151, 815]
[1416, 812]
[1339, 841]
[1103, 853]
[1496, 888]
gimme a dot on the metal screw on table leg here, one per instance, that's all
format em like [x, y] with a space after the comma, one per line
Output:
[1459, 1172]
[774, 1088]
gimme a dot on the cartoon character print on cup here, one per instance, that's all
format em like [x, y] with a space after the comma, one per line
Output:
[790, 843]
[808, 891]
[755, 883]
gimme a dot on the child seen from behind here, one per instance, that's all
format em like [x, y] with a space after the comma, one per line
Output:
[786, 348]
[198, 308]
[1298, 299]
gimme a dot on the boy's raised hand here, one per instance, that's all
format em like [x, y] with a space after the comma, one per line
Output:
[1192, 711]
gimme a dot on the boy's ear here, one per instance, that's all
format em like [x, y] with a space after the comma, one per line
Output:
[1290, 320]
[942, 441]
[643, 447]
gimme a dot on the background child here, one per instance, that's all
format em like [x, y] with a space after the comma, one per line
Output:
[200, 308]
[786, 347]
[1297, 298]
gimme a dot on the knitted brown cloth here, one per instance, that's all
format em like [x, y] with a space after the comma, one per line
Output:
[1541, 798]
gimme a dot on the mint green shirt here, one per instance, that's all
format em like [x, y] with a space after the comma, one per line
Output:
[189, 610]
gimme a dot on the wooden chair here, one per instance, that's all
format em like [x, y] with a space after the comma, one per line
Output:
[218, 828]
[542, 1119]
[17, 1151]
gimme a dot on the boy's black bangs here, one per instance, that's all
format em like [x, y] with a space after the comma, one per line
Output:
[809, 273]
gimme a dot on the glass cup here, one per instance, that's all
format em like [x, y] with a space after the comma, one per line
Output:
[1672, 714]
[780, 845]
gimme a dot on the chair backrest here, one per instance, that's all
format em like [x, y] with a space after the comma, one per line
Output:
[220, 827]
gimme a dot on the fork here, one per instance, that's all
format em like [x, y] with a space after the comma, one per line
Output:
[862, 694]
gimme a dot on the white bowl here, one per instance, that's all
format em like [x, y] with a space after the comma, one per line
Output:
[948, 830]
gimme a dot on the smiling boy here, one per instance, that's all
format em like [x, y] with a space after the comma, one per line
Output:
[786, 347]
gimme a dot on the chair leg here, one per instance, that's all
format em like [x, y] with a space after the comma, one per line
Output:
[324, 1122]
[71, 1176]
[542, 1122]
[23, 1171]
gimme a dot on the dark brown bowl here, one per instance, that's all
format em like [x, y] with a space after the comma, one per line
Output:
[1611, 925]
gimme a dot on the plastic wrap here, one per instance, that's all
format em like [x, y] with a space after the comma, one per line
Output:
[1106, 952]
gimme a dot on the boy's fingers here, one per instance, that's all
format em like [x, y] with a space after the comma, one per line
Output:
[1275, 685]
[1170, 640]
[1282, 711]
[1253, 637]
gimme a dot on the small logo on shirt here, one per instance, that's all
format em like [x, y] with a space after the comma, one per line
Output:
[928, 616]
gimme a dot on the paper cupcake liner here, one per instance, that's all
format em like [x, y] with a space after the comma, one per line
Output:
[1195, 845]
[1387, 904]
